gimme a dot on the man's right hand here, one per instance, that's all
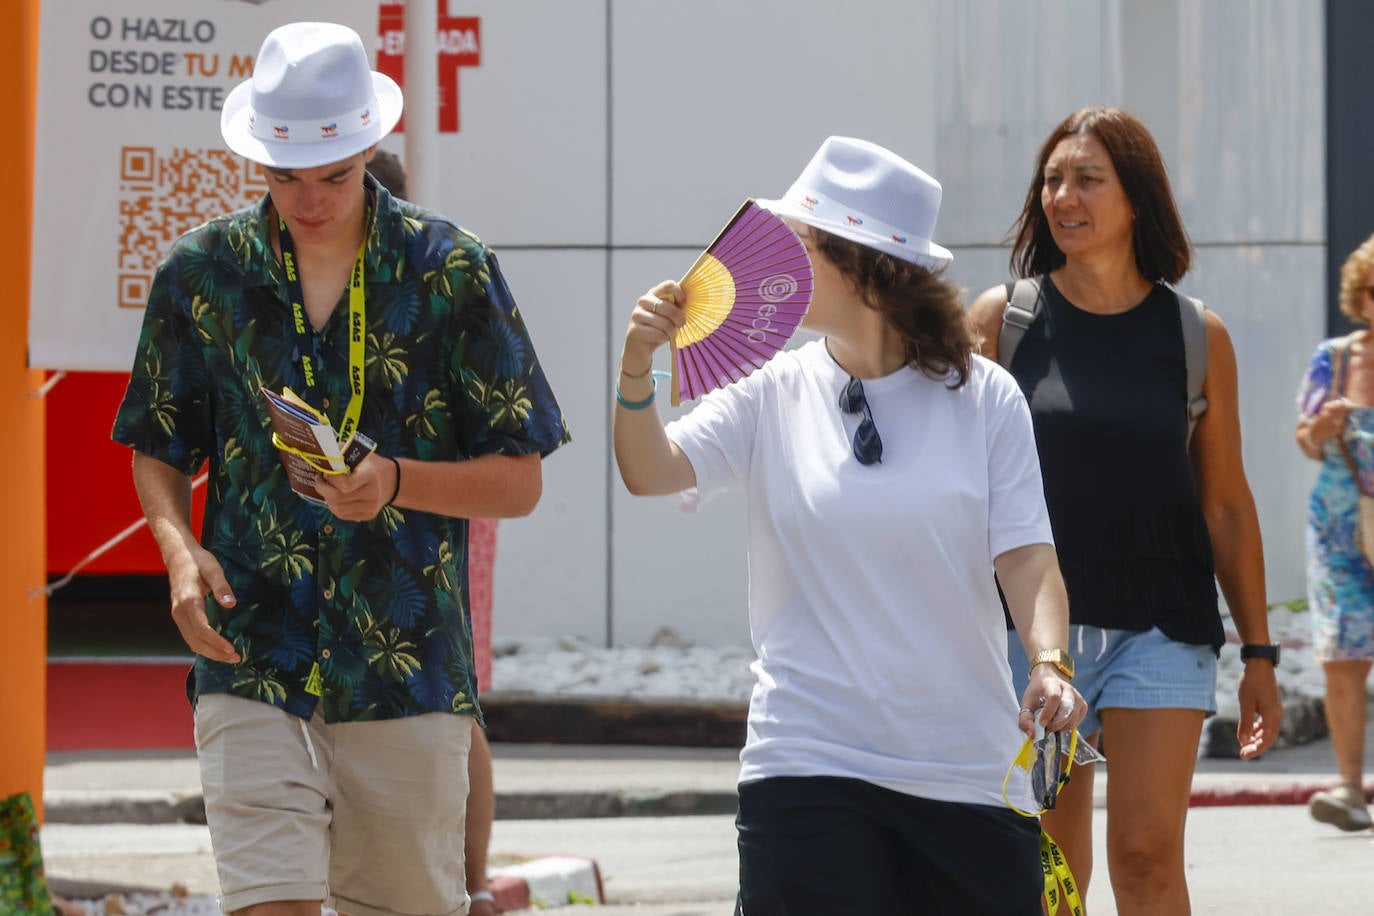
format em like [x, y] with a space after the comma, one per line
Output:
[200, 575]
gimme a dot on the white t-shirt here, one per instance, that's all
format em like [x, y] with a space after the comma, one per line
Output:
[880, 638]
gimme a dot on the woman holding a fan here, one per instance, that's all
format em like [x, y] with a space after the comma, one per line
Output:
[888, 471]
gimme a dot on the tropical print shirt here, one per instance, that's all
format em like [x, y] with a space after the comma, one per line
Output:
[367, 619]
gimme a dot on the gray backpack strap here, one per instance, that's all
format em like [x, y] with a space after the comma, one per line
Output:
[1191, 317]
[1023, 304]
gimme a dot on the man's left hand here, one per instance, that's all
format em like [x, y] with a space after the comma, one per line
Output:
[362, 493]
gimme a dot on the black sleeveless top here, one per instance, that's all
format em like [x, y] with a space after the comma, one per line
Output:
[1108, 398]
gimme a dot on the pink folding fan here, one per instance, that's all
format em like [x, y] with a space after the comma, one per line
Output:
[744, 297]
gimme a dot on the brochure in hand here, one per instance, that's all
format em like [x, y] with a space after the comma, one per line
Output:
[308, 444]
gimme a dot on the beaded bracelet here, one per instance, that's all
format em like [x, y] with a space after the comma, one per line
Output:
[636, 405]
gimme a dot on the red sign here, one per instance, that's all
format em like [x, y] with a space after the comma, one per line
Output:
[460, 45]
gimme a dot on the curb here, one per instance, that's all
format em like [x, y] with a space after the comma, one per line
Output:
[544, 882]
[518, 806]
[61, 808]
[525, 718]
[677, 723]
[1290, 793]
[131, 806]
[145, 807]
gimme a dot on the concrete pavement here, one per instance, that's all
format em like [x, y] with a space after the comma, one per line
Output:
[1270, 860]
[540, 781]
[532, 781]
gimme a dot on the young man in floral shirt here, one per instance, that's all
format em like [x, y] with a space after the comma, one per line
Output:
[333, 680]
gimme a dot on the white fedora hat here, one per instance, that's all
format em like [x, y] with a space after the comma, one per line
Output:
[313, 99]
[870, 195]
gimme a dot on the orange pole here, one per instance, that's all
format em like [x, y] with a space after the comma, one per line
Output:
[23, 604]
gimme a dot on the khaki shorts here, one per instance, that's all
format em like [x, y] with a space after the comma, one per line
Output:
[366, 816]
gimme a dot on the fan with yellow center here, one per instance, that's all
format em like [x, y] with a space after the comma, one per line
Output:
[743, 299]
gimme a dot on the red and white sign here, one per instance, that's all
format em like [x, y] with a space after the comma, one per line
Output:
[460, 45]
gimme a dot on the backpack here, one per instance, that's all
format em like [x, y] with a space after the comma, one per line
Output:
[1024, 303]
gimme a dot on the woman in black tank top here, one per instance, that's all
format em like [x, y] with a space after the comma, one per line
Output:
[1143, 515]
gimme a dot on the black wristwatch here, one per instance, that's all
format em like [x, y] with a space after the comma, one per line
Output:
[1268, 653]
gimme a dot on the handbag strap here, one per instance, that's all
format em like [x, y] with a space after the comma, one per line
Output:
[1340, 365]
[1336, 387]
[1350, 463]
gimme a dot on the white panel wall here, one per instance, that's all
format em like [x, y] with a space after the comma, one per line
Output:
[604, 141]
[1005, 73]
[528, 166]
[1271, 298]
[716, 100]
[551, 566]
[1233, 91]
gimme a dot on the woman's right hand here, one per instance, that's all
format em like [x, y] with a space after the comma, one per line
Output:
[1328, 423]
[650, 464]
[656, 316]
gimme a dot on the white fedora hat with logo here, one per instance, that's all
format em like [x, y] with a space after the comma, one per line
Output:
[313, 99]
[870, 195]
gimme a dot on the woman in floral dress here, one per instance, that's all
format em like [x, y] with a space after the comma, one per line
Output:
[1335, 403]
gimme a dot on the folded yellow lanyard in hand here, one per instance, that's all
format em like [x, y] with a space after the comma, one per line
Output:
[317, 461]
[1043, 758]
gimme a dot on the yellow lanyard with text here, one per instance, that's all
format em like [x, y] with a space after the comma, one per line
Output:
[1059, 883]
[357, 328]
[1058, 877]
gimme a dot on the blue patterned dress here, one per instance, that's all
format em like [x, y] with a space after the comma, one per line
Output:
[1340, 582]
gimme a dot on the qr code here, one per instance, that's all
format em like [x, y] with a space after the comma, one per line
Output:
[162, 194]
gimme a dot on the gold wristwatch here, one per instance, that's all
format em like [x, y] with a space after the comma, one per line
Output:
[1060, 658]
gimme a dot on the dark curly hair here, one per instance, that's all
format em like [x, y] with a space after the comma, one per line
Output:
[1162, 251]
[920, 304]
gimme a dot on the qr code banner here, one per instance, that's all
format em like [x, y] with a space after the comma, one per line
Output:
[163, 194]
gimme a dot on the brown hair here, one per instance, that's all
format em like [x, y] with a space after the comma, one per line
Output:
[1354, 278]
[920, 304]
[387, 169]
[1162, 251]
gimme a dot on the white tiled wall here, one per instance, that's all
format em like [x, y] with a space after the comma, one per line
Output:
[1271, 298]
[1005, 73]
[551, 566]
[528, 166]
[718, 100]
[1241, 126]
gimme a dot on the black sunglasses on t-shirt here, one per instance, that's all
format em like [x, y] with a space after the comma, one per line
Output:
[868, 445]
[1048, 771]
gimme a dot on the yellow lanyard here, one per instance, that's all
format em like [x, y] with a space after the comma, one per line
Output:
[357, 328]
[1059, 881]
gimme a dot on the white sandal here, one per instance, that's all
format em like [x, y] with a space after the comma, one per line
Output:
[1343, 806]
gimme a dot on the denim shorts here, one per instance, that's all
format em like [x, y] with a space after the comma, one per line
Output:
[1126, 669]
